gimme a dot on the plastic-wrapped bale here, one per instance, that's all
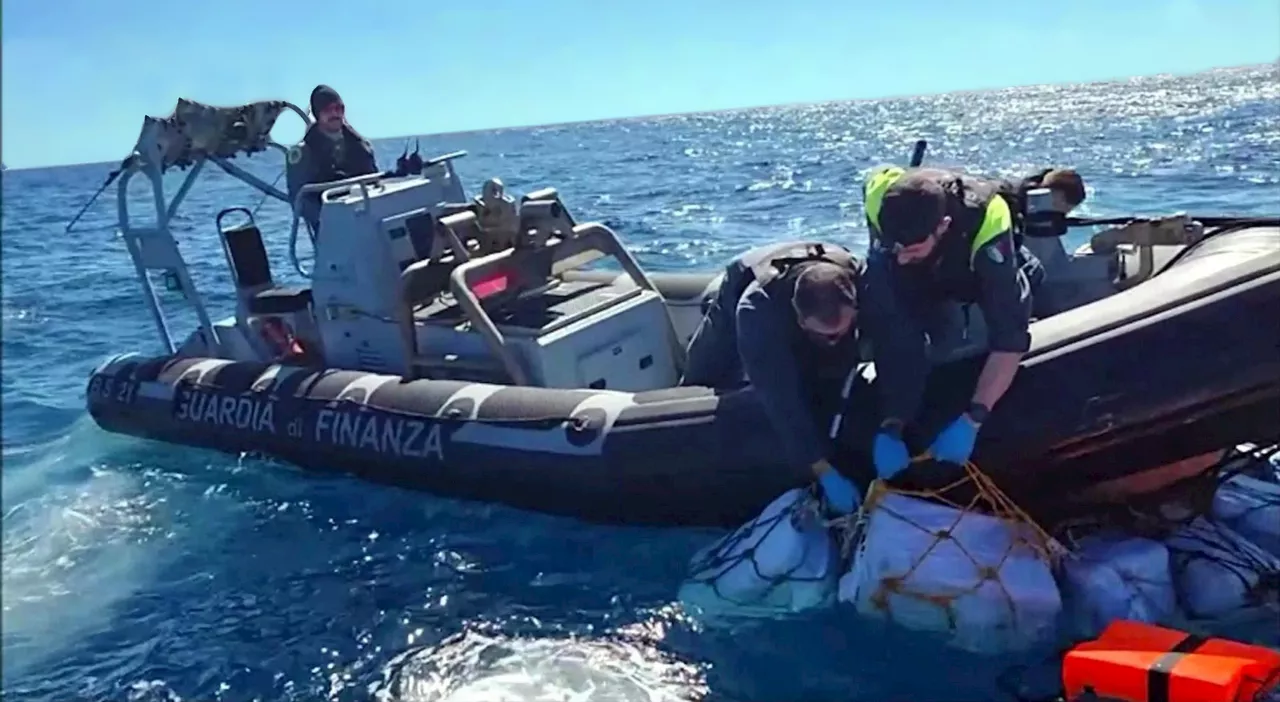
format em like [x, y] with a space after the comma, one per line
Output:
[1217, 571]
[984, 580]
[1251, 507]
[1112, 577]
[784, 560]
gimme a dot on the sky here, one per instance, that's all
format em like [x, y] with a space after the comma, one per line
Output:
[79, 75]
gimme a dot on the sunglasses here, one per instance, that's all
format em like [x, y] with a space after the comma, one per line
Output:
[825, 335]
[895, 248]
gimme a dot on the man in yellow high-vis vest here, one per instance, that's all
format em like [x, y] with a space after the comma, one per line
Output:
[940, 236]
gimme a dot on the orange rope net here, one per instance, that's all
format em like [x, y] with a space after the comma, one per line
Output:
[996, 505]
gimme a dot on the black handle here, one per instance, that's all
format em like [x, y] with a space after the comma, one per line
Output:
[217, 221]
[917, 153]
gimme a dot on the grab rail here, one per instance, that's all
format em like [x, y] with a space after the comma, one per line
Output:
[587, 238]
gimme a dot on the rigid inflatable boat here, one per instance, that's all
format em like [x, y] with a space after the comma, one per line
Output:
[474, 348]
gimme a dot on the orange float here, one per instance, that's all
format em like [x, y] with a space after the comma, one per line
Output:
[1136, 662]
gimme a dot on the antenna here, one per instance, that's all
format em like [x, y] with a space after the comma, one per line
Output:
[917, 154]
[415, 160]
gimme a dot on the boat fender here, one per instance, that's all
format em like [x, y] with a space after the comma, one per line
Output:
[1138, 662]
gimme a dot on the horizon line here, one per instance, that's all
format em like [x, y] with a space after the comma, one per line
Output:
[728, 110]
[833, 101]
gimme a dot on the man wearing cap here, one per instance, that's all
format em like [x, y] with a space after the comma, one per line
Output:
[330, 150]
[937, 237]
[783, 320]
[1065, 185]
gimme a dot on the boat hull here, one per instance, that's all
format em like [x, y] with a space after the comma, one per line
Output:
[1185, 363]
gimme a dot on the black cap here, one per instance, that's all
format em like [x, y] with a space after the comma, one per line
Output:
[823, 289]
[322, 97]
[912, 209]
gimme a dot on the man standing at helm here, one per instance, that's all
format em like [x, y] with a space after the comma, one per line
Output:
[939, 237]
[330, 150]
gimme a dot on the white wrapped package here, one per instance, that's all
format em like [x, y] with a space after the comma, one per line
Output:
[1217, 571]
[784, 560]
[930, 567]
[1117, 577]
[1251, 507]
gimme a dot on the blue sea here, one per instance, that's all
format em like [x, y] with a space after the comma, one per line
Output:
[144, 572]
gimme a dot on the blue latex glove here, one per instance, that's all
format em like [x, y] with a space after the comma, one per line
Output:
[889, 454]
[955, 442]
[840, 493]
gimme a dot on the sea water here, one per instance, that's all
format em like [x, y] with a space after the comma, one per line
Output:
[136, 571]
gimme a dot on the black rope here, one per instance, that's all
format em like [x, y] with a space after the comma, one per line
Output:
[1249, 461]
[1231, 221]
[730, 552]
[111, 177]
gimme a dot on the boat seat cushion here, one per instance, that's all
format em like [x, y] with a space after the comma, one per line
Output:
[248, 256]
[280, 300]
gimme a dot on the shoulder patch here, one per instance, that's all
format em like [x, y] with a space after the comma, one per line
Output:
[295, 155]
[995, 254]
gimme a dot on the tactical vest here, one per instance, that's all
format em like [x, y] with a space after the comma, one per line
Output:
[996, 214]
[979, 215]
[822, 368]
[782, 266]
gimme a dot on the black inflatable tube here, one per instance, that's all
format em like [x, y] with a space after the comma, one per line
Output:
[1166, 381]
[672, 457]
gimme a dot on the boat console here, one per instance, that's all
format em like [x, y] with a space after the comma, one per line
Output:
[410, 279]
[475, 291]
[409, 276]
[514, 310]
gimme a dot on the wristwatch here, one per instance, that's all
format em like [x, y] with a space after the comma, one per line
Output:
[978, 412]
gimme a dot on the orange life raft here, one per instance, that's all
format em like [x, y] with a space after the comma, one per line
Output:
[1136, 662]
